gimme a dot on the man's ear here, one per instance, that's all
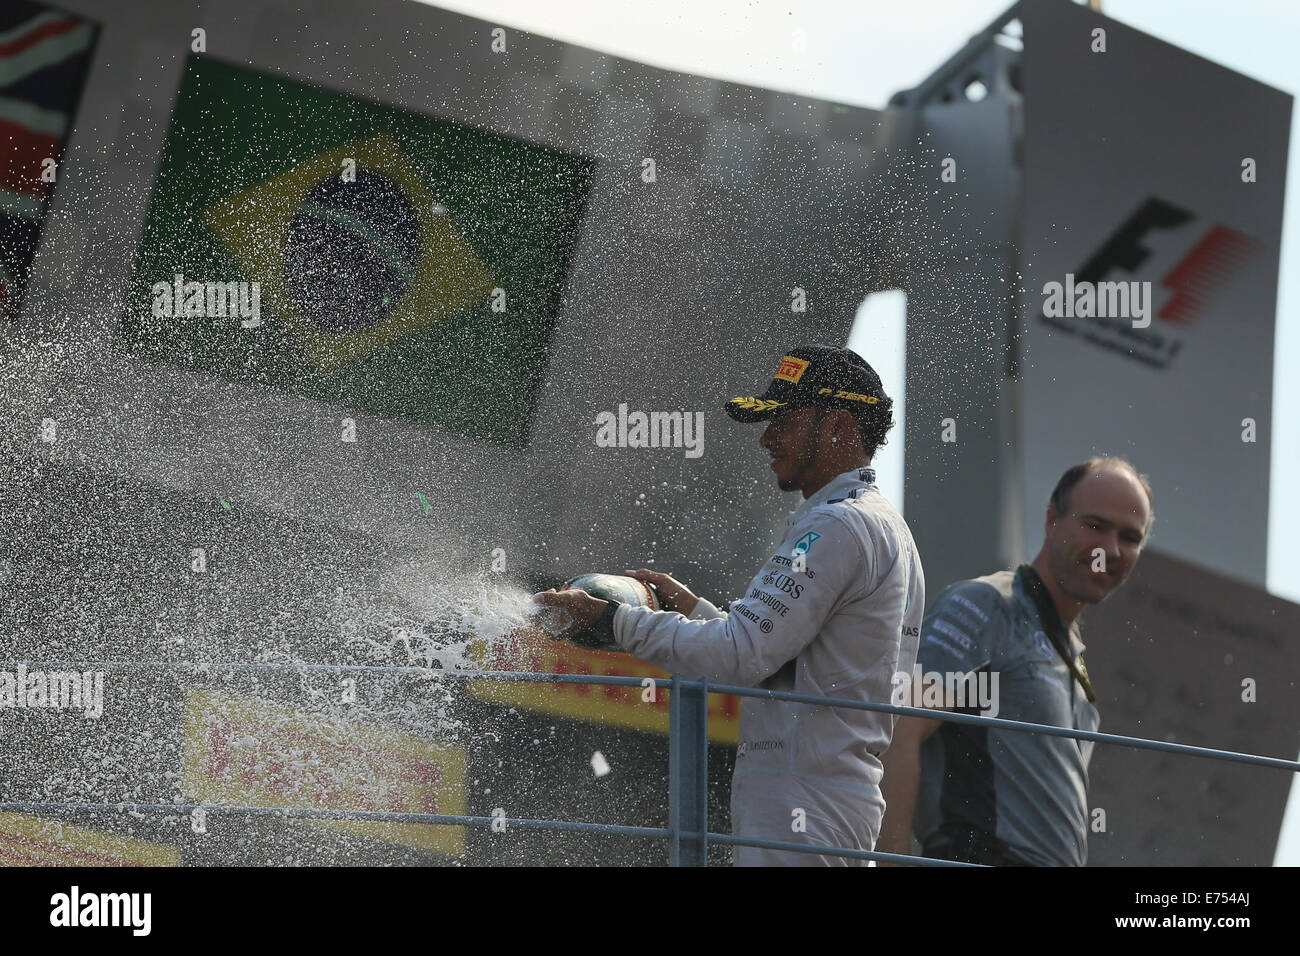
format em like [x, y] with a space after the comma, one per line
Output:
[846, 426]
[1053, 516]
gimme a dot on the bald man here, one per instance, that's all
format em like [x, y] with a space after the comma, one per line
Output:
[1007, 797]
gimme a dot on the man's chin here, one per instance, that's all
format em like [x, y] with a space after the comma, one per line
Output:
[787, 481]
[1097, 591]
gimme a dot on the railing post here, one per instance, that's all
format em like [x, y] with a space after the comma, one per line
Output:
[688, 774]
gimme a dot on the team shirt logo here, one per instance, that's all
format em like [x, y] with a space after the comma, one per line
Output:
[804, 544]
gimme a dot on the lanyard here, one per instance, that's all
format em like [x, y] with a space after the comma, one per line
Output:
[1054, 629]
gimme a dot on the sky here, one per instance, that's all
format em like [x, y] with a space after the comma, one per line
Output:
[849, 57]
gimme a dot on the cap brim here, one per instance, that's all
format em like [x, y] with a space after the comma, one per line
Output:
[751, 408]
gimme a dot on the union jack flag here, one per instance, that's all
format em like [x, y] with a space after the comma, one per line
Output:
[44, 56]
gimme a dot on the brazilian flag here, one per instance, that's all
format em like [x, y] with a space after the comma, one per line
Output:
[405, 266]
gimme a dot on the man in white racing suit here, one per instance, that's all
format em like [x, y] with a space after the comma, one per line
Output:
[835, 610]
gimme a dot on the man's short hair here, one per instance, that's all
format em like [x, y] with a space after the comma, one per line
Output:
[1060, 500]
[873, 425]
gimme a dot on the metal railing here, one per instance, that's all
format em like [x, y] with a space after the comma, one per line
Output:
[687, 832]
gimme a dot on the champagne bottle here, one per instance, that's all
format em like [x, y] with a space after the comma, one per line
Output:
[609, 587]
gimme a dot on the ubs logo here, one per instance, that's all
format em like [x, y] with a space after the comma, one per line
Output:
[783, 583]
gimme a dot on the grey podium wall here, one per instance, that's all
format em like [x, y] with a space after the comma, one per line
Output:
[679, 294]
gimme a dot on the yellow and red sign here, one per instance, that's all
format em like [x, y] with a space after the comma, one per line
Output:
[791, 369]
[36, 841]
[256, 753]
[635, 707]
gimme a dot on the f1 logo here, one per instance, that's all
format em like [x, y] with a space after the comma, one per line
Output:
[1214, 257]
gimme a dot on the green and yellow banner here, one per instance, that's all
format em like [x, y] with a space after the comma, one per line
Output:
[317, 243]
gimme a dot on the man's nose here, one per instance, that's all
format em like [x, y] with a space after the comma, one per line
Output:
[1113, 552]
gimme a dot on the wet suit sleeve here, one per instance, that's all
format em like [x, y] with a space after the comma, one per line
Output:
[782, 613]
